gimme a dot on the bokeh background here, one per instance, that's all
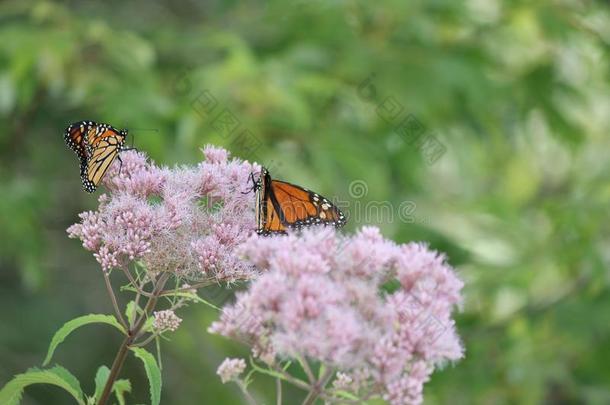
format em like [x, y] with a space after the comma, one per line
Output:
[517, 93]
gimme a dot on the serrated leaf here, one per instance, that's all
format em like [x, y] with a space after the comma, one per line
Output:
[121, 387]
[152, 372]
[76, 323]
[67, 377]
[100, 380]
[148, 325]
[12, 392]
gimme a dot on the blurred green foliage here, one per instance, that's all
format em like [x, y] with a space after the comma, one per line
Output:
[518, 93]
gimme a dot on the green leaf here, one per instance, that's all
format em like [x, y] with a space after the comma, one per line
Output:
[158, 347]
[131, 311]
[100, 380]
[195, 298]
[148, 325]
[322, 370]
[152, 372]
[345, 394]
[11, 393]
[128, 287]
[121, 387]
[76, 323]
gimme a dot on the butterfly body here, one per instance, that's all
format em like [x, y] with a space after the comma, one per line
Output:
[281, 205]
[96, 145]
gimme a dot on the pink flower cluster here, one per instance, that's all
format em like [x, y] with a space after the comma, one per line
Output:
[379, 312]
[166, 320]
[184, 220]
[230, 369]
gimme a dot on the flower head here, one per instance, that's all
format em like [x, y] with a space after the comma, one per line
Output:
[183, 220]
[331, 299]
[230, 369]
[166, 320]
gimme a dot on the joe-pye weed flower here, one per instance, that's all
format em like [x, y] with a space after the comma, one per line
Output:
[185, 221]
[375, 314]
[169, 231]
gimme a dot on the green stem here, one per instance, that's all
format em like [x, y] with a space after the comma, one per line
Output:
[311, 397]
[306, 368]
[249, 398]
[114, 301]
[115, 370]
[121, 355]
[278, 389]
[192, 287]
[318, 388]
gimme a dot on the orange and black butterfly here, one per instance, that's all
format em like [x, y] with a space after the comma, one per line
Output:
[281, 206]
[96, 145]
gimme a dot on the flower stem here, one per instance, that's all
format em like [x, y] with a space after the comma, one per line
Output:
[311, 397]
[307, 369]
[249, 398]
[317, 388]
[114, 301]
[278, 390]
[121, 355]
[189, 288]
[115, 370]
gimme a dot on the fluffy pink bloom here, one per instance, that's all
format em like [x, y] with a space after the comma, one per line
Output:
[215, 155]
[230, 369]
[335, 299]
[184, 220]
[135, 176]
[166, 320]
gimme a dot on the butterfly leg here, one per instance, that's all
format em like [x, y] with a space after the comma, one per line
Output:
[132, 147]
[120, 163]
[251, 178]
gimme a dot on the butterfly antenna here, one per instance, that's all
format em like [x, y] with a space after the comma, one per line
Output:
[133, 136]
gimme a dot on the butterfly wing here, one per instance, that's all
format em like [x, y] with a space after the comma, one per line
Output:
[97, 145]
[283, 205]
[76, 137]
[301, 207]
[267, 217]
[99, 132]
[104, 144]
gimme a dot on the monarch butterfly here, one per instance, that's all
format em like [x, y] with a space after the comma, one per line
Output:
[96, 145]
[281, 205]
